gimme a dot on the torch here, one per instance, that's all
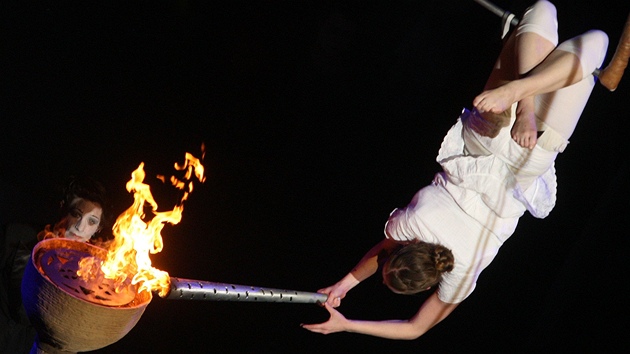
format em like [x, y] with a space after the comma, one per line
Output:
[72, 314]
[80, 297]
[188, 289]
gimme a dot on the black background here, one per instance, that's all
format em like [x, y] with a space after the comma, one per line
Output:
[319, 118]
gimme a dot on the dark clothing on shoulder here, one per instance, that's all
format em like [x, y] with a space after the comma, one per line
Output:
[17, 240]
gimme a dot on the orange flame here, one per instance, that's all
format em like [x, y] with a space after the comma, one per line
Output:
[135, 239]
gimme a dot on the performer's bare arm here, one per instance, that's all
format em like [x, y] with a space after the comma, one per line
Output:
[432, 311]
[366, 267]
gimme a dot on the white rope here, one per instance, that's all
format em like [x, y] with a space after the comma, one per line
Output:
[507, 20]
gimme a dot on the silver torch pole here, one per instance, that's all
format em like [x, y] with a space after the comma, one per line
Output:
[188, 289]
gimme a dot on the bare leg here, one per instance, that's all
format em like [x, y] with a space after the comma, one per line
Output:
[527, 46]
[560, 87]
[531, 50]
[549, 86]
[560, 69]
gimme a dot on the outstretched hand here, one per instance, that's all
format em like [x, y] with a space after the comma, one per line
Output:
[336, 323]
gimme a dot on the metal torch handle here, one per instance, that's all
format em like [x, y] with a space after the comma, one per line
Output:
[189, 289]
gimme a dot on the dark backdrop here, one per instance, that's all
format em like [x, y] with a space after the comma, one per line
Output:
[319, 118]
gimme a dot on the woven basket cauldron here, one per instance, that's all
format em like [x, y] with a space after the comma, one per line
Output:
[65, 322]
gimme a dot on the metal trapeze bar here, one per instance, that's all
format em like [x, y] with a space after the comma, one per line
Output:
[499, 11]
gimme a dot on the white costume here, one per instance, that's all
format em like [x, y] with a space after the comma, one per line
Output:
[473, 206]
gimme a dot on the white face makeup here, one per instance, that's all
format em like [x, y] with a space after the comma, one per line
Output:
[84, 219]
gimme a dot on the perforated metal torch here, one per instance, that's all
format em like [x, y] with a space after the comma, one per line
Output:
[189, 289]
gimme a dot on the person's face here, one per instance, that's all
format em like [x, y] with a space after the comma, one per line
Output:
[83, 219]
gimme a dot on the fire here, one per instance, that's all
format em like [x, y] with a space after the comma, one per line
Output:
[135, 238]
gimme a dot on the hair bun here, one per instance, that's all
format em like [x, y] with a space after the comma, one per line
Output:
[443, 258]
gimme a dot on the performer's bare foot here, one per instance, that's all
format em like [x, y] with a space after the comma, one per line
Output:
[496, 100]
[524, 130]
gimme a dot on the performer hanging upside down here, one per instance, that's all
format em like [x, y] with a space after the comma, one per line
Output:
[498, 162]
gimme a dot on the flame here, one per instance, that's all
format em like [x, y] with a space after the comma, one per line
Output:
[128, 262]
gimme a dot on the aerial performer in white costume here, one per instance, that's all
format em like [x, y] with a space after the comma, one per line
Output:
[497, 161]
